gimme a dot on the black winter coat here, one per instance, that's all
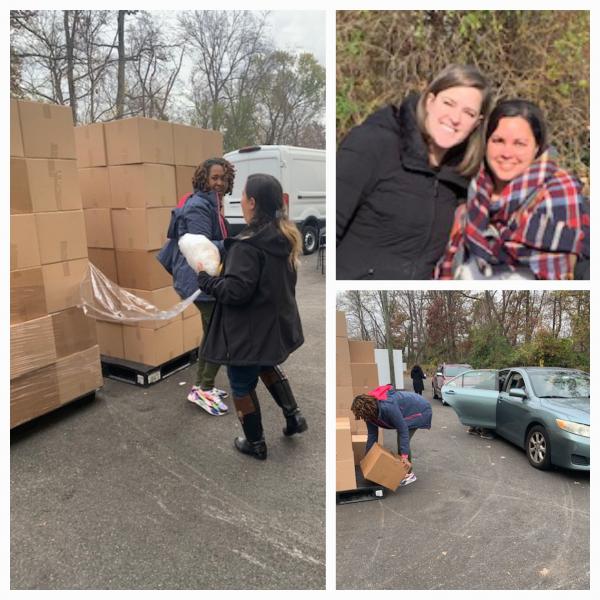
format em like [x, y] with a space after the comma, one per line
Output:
[394, 211]
[256, 319]
[417, 376]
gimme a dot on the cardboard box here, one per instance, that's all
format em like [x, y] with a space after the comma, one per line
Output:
[16, 140]
[190, 311]
[105, 259]
[343, 397]
[33, 394]
[356, 426]
[153, 346]
[383, 467]
[73, 331]
[364, 375]
[361, 352]
[192, 146]
[78, 374]
[95, 187]
[343, 374]
[140, 228]
[139, 269]
[43, 185]
[24, 247]
[163, 299]
[61, 236]
[183, 180]
[341, 329]
[343, 439]
[192, 333]
[345, 475]
[342, 351]
[110, 339]
[359, 444]
[61, 283]
[139, 140]
[98, 227]
[27, 297]
[47, 130]
[142, 186]
[90, 145]
[31, 346]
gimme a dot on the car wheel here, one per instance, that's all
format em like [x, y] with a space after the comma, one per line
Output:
[444, 403]
[310, 239]
[537, 447]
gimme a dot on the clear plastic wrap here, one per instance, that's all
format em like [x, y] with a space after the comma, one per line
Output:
[197, 248]
[103, 299]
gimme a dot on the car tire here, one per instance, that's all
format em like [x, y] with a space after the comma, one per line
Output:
[537, 447]
[310, 239]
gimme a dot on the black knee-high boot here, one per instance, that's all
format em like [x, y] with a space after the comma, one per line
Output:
[279, 387]
[248, 412]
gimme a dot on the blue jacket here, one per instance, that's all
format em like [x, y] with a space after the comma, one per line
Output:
[199, 215]
[401, 411]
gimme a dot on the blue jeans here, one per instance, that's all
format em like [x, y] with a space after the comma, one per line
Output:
[243, 380]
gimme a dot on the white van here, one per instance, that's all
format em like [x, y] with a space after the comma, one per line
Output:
[301, 172]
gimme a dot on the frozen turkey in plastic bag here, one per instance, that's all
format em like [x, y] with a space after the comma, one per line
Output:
[199, 249]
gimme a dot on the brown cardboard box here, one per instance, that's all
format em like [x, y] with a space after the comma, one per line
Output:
[140, 228]
[24, 247]
[61, 283]
[139, 140]
[359, 443]
[383, 467]
[78, 374]
[33, 394]
[43, 185]
[139, 269]
[110, 339]
[192, 146]
[343, 374]
[183, 180]
[343, 439]
[342, 352]
[16, 140]
[192, 332]
[356, 426]
[341, 329]
[95, 187]
[364, 375]
[105, 259]
[47, 130]
[190, 311]
[343, 397]
[73, 331]
[61, 236]
[164, 299]
[153, 346]
[345, 475]
[27, 297]
[90, 145]
[361, 352]
[31, 346]
[142, 186]
[98, 227]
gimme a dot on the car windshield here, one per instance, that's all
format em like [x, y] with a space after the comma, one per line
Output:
[560, 384]
[454, 370]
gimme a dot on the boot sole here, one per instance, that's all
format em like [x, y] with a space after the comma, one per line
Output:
[300, 429]
[250, 452]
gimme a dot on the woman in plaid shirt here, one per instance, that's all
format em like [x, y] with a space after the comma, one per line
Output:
[525, 217]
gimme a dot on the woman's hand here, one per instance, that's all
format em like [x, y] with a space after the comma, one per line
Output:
[199, 267]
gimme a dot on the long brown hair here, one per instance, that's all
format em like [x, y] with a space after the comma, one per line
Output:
[365, 407]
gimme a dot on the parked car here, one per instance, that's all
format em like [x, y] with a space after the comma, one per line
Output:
[444, 374]
[545, 411]
[301, 172]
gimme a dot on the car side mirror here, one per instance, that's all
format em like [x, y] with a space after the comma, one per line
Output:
[518, 393]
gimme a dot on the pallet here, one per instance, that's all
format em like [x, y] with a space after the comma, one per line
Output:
[363, 493]
[144, 375]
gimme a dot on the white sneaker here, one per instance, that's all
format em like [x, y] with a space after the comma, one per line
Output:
[204, 400]
[219, 396]
[410, 478]
[224, 395]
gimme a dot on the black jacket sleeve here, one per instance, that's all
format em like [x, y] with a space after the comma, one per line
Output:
[241, 276]
[356, 166]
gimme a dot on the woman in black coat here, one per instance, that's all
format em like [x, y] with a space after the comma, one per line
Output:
[417, 377]
[256, 324]
[401, 175]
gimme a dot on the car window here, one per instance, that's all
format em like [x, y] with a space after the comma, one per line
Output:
[454, 370]
[456, 382]
[481, 380]
[515, 381]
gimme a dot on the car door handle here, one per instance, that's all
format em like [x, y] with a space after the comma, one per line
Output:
[450, 392]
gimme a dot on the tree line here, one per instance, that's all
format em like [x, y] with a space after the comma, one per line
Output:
[488, 329]
[212, 69]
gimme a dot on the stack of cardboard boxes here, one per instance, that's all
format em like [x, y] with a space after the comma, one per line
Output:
[132, 173]
[54, 352]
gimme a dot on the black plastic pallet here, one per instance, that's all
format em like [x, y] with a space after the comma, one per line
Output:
[364, 491]
[145, 375]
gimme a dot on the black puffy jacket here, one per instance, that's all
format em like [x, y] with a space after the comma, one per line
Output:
[394, 211]
[256, 319]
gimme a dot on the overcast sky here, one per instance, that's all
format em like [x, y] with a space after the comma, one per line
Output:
[300, 31]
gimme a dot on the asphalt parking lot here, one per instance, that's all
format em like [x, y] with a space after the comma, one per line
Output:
[140, 489]
[478, 517]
